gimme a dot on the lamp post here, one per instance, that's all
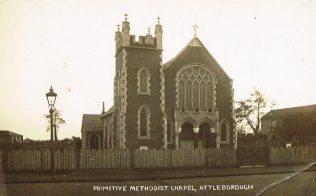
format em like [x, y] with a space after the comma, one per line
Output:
[51, 98]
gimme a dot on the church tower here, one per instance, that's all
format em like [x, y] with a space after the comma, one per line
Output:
[139, 114]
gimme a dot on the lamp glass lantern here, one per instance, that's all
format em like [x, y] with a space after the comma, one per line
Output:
[51, 97]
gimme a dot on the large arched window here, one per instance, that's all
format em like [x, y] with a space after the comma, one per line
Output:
[143, 122]
[195, 89]
[224, 132]
[143, 78]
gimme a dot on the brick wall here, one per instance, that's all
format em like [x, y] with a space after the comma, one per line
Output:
[136, 59]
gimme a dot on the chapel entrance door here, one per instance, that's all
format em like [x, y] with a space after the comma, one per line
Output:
[187, 136]
[204, 139]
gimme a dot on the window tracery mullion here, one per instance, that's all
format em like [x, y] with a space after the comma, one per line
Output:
[212, 98]
[185, 94]
[191, 91]
[195, 90]
[189, 95]
[202, 96]
[199, 96]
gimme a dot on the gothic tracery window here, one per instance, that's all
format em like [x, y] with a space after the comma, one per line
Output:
[143, 122]
[195, 89]
[143, 78]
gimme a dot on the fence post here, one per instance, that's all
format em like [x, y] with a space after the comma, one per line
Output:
[132, 160]
[267, 154]
[4, 159]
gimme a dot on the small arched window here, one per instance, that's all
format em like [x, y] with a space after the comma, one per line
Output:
[118, 127]
[143, 78]
[170, 128]
[224, 132]
[143, 122]
[94, 141]
[105, 136]
[118, 84]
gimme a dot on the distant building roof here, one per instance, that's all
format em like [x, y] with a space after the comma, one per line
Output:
[91, 122]
[308, 109]
[6, 132]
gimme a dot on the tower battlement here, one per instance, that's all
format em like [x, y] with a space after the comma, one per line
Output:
[147, 41]
[124, 39]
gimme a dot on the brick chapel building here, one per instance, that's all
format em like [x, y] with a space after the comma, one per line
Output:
[184, 103]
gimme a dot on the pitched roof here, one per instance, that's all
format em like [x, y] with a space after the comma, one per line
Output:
[308, 109]
[194, 43]
[91, 122]
[6, 132]
[110, 111]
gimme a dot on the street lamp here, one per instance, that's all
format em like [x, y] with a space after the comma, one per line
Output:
[51, 98]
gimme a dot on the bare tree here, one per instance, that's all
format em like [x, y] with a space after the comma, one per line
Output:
[249, 111]
[57, 121]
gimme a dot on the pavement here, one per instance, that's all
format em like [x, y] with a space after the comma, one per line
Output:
[119, 175]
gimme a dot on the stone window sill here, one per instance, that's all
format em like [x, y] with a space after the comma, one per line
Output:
[143, 137]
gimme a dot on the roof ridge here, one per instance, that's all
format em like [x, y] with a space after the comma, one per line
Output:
[87, 115]
[295, 107]
[284, 111]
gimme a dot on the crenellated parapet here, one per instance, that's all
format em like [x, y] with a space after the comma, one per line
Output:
[124, 39]
[147, 41]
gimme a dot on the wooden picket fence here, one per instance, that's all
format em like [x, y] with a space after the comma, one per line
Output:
[225, 157]
[292, 156]
[96, 159]
[41, 159]
[188, 158]
[120, 159]
[157, 158]
[152, 158]
[29, 159]
[65, 159]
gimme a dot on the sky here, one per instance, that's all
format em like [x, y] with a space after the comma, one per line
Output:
[69, 44]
